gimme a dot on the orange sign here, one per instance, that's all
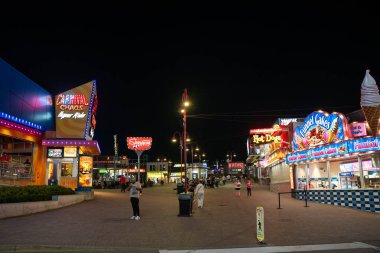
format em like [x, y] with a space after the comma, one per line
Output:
[69, 152]
[85, 171]
[74, 112]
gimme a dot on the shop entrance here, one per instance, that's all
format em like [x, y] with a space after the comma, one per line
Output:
[63, 172]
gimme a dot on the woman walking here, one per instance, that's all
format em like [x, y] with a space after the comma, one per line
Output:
[237, 188]
[200, 192]
[249, 188]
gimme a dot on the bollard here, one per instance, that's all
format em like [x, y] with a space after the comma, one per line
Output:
[279, 201]
[305, 195]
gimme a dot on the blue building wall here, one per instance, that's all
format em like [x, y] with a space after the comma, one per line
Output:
[23, 98]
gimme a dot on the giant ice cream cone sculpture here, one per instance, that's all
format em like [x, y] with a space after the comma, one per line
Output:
[370, 102]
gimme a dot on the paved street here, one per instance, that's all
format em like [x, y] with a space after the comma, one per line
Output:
[225, 222]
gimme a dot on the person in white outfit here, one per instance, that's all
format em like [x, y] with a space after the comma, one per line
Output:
[200, 192]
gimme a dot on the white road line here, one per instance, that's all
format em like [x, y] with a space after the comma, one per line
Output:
[297, 248]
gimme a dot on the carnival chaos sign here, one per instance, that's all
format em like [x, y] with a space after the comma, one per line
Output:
[139, 143]
[320, 128]
[75, 112]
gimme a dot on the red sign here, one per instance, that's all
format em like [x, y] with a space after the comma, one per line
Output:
[235, 165]
[263, 131]
[139, 143]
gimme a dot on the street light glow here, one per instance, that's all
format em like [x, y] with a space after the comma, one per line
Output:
[186, 103]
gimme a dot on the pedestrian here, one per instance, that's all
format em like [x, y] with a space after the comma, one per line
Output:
[249, 188]
[237, 188]
[224, 180]
[122, 182]
[200, 192]
[134, 192]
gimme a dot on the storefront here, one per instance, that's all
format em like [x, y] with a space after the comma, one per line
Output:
[70, 162]
[70, 149]
[26, 112]
[336, 164]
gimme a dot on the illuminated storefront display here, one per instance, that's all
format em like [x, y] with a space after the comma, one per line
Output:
[55, 152]
[70, 152]
[85, 171]
[342, 148]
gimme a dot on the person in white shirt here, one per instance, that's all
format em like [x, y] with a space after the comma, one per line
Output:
[200, 192]
[134, 192]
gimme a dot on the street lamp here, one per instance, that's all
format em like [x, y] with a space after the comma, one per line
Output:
[180, 140]
[185, 104]
[230, 155]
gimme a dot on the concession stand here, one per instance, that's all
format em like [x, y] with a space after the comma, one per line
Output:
[336, 162]
[70, 149]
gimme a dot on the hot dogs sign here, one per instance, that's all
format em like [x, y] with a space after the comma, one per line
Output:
[320, 128]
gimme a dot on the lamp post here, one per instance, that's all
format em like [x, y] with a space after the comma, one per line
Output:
[185, 104]
[230, 155]
[162, 162]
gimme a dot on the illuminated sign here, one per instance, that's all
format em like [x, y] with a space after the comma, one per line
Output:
[136, 170]
[265, 138]
[75, 112]
[358, 129]
[363, 145]
[336, 149]
[85, 171]
[235, 165]
[139, 143]
[262, 131]
[55, 152]
[286, 121]
[320, 128]
[70, 152]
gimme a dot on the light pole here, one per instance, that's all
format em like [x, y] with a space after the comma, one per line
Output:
[230, 155]
[185, 104]
[174, 140]
[162, 163]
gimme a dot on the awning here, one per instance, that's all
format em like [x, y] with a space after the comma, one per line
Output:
[252, 158]
[85, 146]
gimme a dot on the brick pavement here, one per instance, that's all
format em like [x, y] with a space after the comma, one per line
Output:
[102, 224]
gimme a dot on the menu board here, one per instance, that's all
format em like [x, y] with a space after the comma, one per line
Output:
[70, 152]
[55, 152]
[85, 171]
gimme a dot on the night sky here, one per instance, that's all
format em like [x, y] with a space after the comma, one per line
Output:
[243, 65]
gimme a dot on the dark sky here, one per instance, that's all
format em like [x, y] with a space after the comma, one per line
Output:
[244, 65]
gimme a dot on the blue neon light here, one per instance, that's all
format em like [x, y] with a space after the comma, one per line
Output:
[20, 121]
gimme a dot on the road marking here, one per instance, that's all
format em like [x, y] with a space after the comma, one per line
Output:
[297, 248]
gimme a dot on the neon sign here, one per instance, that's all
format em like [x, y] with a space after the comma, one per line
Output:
[320, 128]
[139, 143]
[259, 139]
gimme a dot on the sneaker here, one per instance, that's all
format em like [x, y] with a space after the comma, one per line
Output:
[137, 217]
[132, 217]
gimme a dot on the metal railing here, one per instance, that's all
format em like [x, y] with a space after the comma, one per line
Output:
[304, 195]
[16, 171]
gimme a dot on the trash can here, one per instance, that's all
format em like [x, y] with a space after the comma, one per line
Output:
[180, 188]
[185, 204]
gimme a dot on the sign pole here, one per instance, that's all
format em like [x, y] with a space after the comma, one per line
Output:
[115, 157]
[139, 153]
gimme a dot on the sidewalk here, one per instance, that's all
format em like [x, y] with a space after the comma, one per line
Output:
[225, 222]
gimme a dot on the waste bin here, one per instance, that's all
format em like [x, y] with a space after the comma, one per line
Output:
[180, 188]
[185, 204]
